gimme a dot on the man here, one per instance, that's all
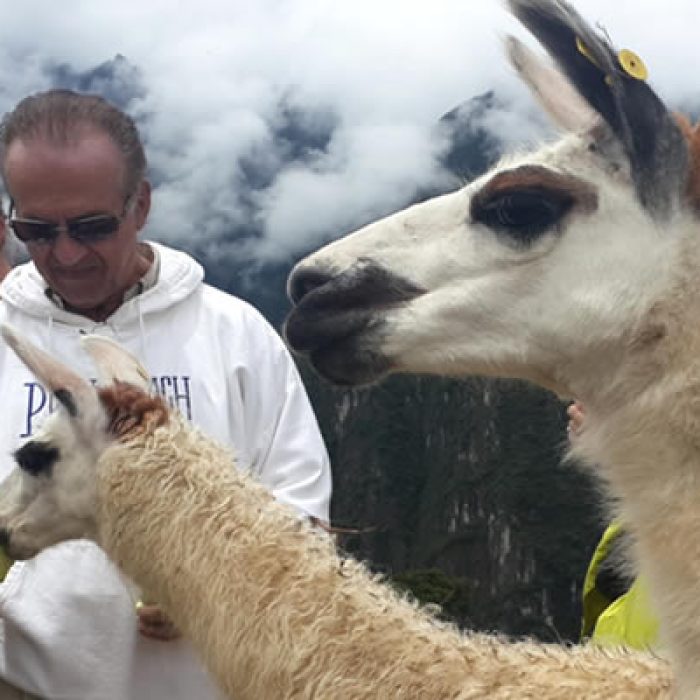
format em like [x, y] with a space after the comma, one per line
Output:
[74, 168]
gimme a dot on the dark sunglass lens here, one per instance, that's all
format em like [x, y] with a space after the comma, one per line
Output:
[93, 228]
[33, 231]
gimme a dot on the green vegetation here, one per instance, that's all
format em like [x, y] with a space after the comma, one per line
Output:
[435, 587]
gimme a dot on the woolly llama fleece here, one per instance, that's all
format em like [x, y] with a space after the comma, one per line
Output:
[576, 267]
[271, 607]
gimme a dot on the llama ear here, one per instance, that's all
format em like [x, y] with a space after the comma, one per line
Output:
[75, 393]
[114, 363]
[614, 85]
[555, 93]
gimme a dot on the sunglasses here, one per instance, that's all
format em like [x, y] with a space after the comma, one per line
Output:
[84, 229]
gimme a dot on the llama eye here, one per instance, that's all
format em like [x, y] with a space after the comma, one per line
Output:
[36, 458]
[522, 214]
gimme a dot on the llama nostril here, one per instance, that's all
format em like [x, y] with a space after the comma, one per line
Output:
[305, 280]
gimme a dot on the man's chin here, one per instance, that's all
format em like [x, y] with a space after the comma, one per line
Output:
[85, 300]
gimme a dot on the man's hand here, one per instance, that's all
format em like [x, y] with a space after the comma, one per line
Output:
[154, 624]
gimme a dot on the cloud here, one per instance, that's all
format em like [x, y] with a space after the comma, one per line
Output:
[274, 125]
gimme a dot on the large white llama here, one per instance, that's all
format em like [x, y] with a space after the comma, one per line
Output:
[575, 267]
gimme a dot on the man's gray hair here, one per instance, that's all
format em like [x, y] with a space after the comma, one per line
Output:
[60, 115]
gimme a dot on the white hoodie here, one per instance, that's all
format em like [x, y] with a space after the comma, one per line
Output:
[67, 623]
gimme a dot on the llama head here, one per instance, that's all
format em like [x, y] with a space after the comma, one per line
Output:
[50, 496]
[538, 269]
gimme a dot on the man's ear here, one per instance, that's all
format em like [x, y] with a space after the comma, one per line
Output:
[143, 204]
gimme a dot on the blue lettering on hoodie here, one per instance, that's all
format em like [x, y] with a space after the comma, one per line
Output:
[39, 402]
[36, 401]
[176, 391]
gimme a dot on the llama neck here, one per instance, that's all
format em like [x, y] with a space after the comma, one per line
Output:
[642, 433]
[650, 457]
[249, 583]
[276, 613]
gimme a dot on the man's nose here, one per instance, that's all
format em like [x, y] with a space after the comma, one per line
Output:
[66, 250]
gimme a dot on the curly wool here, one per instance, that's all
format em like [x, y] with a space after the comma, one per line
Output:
[275, 612]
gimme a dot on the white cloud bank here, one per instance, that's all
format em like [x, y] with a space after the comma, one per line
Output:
[215, 72]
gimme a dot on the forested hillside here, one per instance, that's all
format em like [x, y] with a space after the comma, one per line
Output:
[464, 478]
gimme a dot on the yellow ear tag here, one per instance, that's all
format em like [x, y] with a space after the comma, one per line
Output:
[585, 51]
[632, 64]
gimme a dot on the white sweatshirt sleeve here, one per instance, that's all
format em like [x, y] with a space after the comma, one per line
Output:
[290, 457]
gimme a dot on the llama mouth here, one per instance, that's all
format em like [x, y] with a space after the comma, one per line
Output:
[342, 347]
[339, 321]
[349, 363]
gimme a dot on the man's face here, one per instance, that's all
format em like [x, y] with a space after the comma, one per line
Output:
[56, 183]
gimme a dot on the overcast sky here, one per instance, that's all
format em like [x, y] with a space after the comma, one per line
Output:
[213, 73]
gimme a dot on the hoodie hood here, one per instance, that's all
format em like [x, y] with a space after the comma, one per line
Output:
[179, 276]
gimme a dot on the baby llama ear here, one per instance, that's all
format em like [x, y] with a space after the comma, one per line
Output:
[114, 363]
[72, 391]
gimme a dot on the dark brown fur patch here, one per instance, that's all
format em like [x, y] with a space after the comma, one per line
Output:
[131, 410]
[533, 176]
[692, 135]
